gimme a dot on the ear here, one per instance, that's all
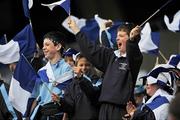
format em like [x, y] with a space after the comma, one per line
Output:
[58, 47]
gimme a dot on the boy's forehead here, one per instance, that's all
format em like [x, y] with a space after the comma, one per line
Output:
[122, 32]
[46, 40]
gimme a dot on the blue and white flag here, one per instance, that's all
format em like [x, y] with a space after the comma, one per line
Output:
[47, 76]
[159, 103]
[103, 32]
[27, 5]
[22, 84]
[3, 40]
[175, 24]
[174, 60]
[90, 27]
[149, 42]
[65, 4]
[113, 29]
[24, 42]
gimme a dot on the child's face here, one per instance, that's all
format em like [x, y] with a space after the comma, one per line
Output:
[83, 64]
[69, 60]
[121, 40]
[49, 49]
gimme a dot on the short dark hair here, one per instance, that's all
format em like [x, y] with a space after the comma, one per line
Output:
[126, 27]
[57, 38]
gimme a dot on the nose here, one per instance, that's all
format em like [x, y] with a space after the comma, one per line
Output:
[43, 48]
[117, 38]
[83, 68]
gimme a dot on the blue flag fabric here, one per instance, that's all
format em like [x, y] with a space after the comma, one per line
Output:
[26, 41]
[23, 43]
[149, 42]
[26, 8]
[65, 4]
[22, 85]
[175, 60]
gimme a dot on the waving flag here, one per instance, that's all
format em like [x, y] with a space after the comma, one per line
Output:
[24, 42]
[27, 5]
[175, 24]
[22, 85]
[174, 60]
[63, 3]
[149, 42]
[91, 27]
[113, 30]
[104, 35]
[99, 20]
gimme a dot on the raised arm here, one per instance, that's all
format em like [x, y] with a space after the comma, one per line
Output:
[98, 56]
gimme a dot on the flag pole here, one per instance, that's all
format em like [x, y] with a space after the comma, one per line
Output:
[163, 56]
[5, 38]
[157, 60]
[27, 60]
[155, 12]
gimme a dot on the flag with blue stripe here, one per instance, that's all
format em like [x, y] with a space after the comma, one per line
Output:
[175, 60]
[22, 84]
[27, 4]
[149, 42]
[65, 4]
[23, 43]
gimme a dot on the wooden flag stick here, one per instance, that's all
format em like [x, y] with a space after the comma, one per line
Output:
[163, 56]
[155, 12]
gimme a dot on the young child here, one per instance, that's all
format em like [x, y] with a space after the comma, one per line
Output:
[78, 102]
[68, 56]
[55, 76]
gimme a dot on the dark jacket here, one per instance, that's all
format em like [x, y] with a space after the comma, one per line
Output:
[120, 73]
[145, 114]
[77, 104]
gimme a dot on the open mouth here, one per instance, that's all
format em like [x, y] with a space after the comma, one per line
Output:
[120, 44]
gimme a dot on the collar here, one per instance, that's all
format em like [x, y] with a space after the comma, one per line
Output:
[117, 53]
[56, 65]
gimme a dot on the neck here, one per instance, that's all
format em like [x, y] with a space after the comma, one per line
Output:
[122, 52]
[55, 59]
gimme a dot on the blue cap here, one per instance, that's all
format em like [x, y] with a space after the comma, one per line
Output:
[70, 52]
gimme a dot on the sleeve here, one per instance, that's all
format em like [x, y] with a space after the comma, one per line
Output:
[92, 92]
[134, 57]
[144, 114]
[98, 56]
[67, 102]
